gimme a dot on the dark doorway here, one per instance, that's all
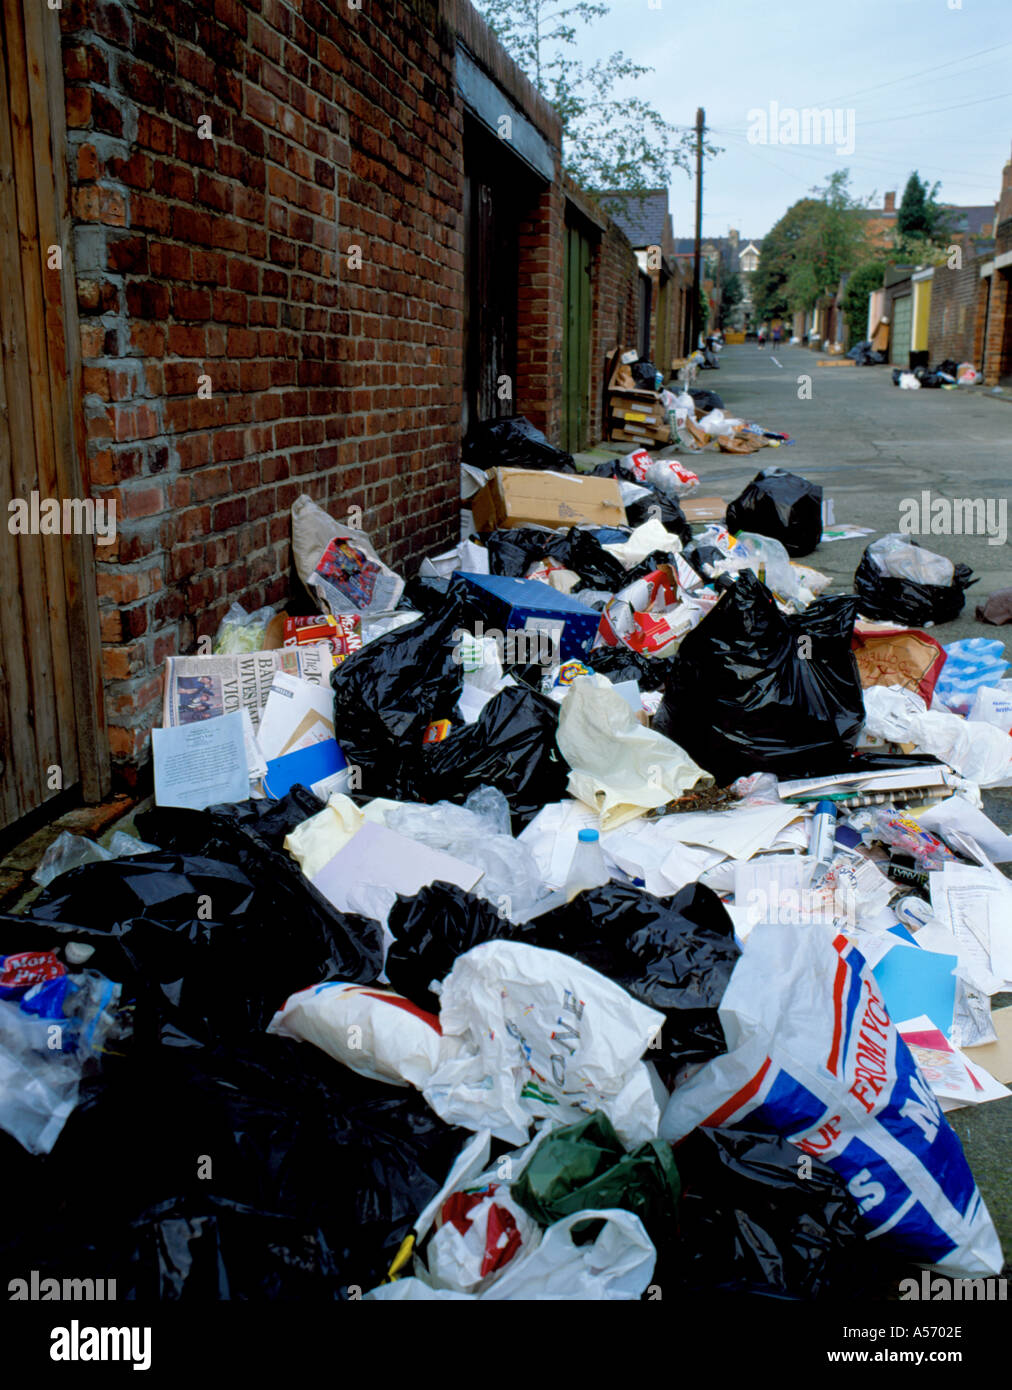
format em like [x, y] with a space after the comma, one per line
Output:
[498, 192]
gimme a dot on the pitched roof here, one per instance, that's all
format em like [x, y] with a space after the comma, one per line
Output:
[969, 221]
[641, 216]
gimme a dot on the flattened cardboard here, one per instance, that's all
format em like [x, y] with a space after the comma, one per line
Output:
[996, 1057]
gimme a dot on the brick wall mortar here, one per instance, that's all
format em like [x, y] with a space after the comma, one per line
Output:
[229, 259]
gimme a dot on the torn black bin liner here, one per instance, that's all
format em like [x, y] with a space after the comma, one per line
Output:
[675, 954]
[513, 442]
[753, 1220]
[782, 505]
[513, 552]
[905, 600]
[754, 690]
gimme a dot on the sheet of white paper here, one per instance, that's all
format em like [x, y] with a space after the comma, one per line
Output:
[957, 813]
[976, 906]
[895, 779]
[740, 833]
[289, 701]
[198, 765]
[774, 887]
[379, 859]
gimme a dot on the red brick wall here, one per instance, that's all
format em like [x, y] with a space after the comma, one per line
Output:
[956, 317]
[228, 258]
[539, 313]
[616, 288]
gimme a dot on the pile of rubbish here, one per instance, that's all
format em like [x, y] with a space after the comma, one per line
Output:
[604, 908]
[948, 375]
[642, 411]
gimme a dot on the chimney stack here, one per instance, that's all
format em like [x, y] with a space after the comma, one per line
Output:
[890, 202]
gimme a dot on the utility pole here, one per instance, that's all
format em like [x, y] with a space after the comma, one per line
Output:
[694, 308]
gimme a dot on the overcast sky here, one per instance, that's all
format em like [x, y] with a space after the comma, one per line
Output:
[868, 57]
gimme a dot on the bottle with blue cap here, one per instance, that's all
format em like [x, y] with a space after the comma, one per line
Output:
[588, 868]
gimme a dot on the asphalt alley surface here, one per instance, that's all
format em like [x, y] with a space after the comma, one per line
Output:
[871, 445]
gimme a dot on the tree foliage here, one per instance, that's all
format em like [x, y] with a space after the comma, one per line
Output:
[860, 284]
[732, 291]
[611, 140]
[920, 218]
[817, 240]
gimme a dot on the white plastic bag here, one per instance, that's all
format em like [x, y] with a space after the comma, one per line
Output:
[375, 1032]
[339, 565]
[479, 833]
[672, 477]
[619, 767]
[897, 557]
[541, 1036]
[68, 851]
[977, 751]
[643, 541]
[812, 1055]
[618, 1265]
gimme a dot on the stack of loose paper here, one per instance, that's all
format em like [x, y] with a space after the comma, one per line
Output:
[297, 735]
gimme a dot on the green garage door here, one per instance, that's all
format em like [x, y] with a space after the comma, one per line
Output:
[902, 327]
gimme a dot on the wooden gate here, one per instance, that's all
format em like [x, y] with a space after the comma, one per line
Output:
[577, 313]
[51, 707]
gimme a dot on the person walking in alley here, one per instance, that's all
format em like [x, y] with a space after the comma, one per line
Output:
[776, 335]
[762, 336]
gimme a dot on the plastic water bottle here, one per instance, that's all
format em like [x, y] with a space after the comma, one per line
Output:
[588, 867]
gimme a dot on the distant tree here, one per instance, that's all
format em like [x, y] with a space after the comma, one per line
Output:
[919, 215]
[611, 140]
[860, 284]
[732, 292]
[816, 241]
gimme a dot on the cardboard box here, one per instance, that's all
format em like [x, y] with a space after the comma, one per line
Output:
[529, 606]
[532, 497]
[703, 508]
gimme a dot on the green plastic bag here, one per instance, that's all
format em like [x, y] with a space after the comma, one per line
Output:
[584, 1167]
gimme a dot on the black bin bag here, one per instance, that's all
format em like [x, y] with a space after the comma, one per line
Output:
[432, 929]
[387, 694]
[513, 442]
[759, 1217]
[674, 954]
[906, 601]
[217, 946]
[262, 1170]
[782, 505]
[511, 747]
[754, 690]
